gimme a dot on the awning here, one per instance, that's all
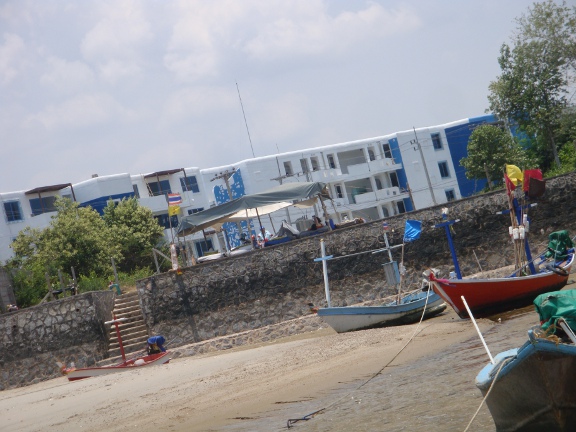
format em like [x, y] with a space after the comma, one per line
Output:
[265, 202]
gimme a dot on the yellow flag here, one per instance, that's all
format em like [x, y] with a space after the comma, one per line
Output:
[173, 210]
[514, 174]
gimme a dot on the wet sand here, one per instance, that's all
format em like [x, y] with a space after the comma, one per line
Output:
[362, 381]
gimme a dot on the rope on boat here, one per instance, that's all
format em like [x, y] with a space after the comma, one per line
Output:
[487, 393]
[307, 417]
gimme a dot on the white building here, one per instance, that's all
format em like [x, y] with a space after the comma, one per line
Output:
[370, 178]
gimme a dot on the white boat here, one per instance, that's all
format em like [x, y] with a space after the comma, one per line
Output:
[409, 310]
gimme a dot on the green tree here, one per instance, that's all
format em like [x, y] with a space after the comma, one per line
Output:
[78, 237]
[489, 148]
[135, 231]
[537, 72]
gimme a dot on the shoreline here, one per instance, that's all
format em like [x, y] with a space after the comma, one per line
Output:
[258, 387]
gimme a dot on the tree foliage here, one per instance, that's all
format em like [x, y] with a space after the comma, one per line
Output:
[538, 71]
[78, 237]
[489, 148]
[135, 231]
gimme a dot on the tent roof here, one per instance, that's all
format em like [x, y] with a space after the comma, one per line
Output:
[266, 202]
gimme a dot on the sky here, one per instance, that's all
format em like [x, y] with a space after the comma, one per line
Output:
[125, 86]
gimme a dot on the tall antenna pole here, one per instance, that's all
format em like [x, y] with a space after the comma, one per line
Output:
[245, 122]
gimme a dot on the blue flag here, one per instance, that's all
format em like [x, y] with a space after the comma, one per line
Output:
[412, 230]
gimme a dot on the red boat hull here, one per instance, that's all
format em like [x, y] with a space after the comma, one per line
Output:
[140, 362]
[487, 296]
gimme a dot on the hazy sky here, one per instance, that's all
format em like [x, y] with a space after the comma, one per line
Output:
[120, 86]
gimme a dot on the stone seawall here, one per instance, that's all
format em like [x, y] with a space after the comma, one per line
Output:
[34, 339]
[276, 284]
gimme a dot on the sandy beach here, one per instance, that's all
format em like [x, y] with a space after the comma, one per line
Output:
[361, 381]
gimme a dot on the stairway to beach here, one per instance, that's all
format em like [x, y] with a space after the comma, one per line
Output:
[133, 331]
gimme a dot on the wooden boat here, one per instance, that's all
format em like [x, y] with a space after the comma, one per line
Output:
[137, 363]
[408, 310]
[487, 296]
[531, 388]
[548, 272]
[151, 359]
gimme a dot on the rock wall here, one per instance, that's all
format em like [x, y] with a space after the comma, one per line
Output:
[276, 284]
[34, 339]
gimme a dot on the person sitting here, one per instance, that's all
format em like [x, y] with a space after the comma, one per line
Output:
[316, 224]
[264, 237]
[156, 345]
[11, 308]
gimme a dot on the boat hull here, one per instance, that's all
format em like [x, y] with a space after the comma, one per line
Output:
[488, 296]
[137, 363]
[534, 390]
[351, 318]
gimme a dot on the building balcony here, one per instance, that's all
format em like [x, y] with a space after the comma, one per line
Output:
[156, 203]
[326, 175]
[384, 165]
[386, 195]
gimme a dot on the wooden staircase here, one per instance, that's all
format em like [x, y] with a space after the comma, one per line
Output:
[133, 331]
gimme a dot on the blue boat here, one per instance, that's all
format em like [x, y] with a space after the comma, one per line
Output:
[532, 388]
[409, 310]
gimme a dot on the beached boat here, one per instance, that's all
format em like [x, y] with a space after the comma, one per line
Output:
[531, 277]
[156, 356]
[531, 388]
[137, 363]
[409, 310]
[406, 309]
[488, 296]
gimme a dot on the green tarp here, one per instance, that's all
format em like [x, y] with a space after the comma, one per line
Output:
[220, 214]
[558, 243]
[555, 305]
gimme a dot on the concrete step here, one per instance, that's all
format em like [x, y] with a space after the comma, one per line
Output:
[134, 347]
[127, 339]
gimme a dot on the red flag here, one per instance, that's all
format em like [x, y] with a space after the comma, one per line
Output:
[528, 174]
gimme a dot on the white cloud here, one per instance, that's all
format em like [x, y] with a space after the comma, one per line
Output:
[82, 111]
[306, 33]
[197, 101]
[116, 41]
[67, 76]
[11, 52]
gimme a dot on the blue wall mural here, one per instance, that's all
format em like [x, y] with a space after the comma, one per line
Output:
[221, 194]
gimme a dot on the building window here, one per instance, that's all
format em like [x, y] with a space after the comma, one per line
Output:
[339, 191]
[387, 151]
[164, 220]
[394, 179]
[195, 210]
[401, 208]
[304, 165]
[288, 168]
[136, 193]
[378, 183]
[444, 172]
[315, 166]
[42, 205]
[436, 141]
[371, 155]
[189, 184]
[331, 162]
[450, 195]
[13, 211]
[159, 188]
